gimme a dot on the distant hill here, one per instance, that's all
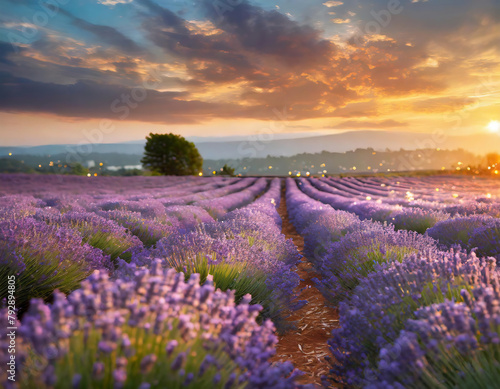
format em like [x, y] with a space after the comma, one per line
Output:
[252, 147]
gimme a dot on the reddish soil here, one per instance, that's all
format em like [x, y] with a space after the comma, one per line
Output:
[306, 346]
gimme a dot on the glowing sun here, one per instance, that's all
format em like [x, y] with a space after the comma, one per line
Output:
[493, 126]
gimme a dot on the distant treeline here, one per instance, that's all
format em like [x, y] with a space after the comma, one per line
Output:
[12, 165]
[357, 161]
[107, 159]
[360, 160]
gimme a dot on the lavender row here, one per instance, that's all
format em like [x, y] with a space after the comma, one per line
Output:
[133, 232]
[411, 315]
[404, 214]
[221, 205]
[271, 197]
[470, 225]
[221, 191]
[433, 189]
[45, 185]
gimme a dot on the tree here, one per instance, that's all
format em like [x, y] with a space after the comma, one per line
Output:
[78, 169]
[171, 154]
[227, 171]
[10, 165]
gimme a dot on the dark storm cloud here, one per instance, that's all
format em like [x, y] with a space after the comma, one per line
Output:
[272, 33]
[6, 50]
[246, 33]
[423, 22]
[170, 32]
[106, 34]
[87, 99]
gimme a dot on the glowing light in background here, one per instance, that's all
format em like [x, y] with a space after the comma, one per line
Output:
[493, 126]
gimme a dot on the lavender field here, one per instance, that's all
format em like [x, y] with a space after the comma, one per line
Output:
[191, 282]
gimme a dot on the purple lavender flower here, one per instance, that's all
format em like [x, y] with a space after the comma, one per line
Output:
[171, 346]
[98, 370]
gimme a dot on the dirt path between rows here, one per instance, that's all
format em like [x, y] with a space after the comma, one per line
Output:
[306, 346]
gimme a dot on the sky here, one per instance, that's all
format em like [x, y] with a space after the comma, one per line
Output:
[77, 71]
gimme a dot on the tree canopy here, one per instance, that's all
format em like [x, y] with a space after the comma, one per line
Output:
[171, 154]
[227, 170]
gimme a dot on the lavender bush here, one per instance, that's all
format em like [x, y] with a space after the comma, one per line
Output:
[388, 279]
[359, 252]
[155, 331]
[327, 228]
[448, 345]
[189, 216]
[416, 219]
[486, 239]
[149, 231]
[113, 239]
[458, 230]
[44, 258]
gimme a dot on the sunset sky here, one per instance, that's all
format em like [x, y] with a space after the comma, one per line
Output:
[235, 68]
